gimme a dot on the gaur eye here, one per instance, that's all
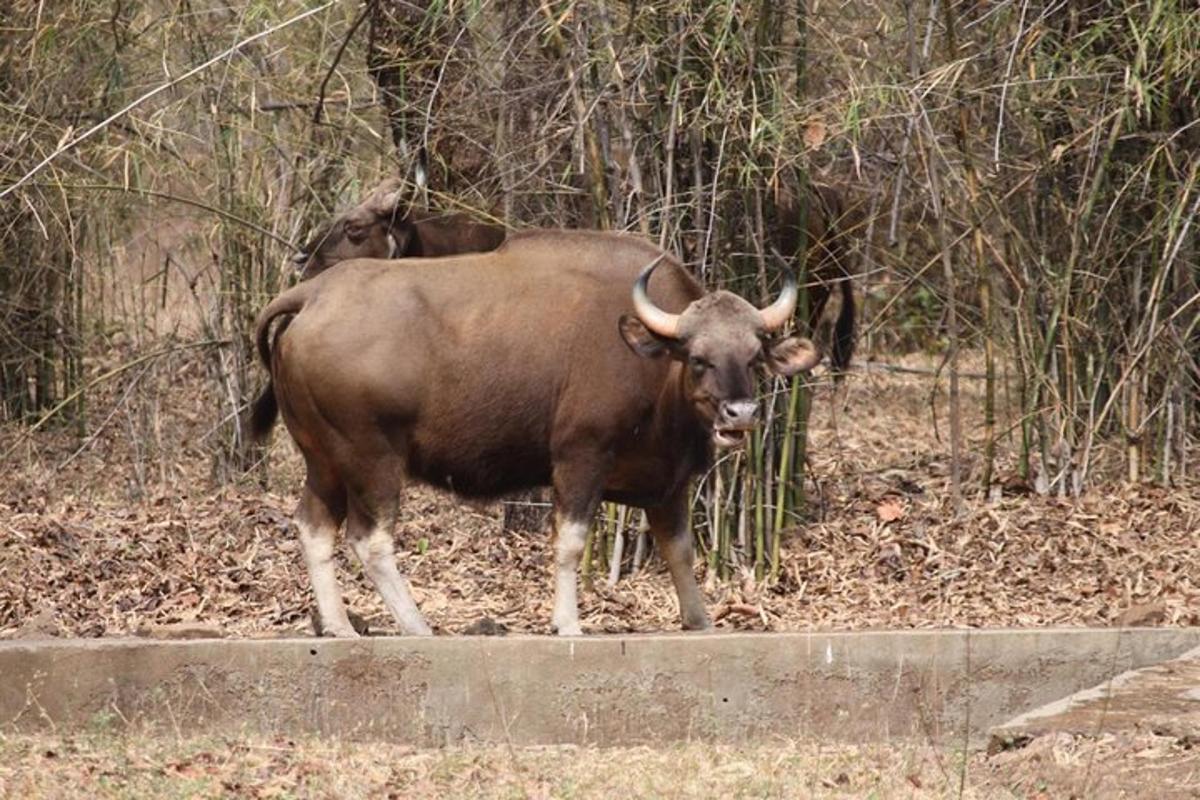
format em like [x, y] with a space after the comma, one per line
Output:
[353, 231]
[698, 364]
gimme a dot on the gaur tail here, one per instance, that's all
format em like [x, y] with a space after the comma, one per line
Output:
[265, 410]
[844, 331]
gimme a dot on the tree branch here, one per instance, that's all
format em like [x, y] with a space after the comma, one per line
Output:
[104, 123]
[337, 59]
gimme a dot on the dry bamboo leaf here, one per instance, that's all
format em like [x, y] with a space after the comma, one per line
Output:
[889, 509]
[814, 134]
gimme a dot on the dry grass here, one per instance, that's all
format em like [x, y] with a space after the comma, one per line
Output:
[104, 766]
[90, 549]
[1107, 766]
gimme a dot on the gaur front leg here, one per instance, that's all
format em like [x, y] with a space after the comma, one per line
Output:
[569, 542]
[669, 526]
[576, 495]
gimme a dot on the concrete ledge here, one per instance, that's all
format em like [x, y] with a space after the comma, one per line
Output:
[605, 690]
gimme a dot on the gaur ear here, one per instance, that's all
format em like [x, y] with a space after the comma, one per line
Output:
[640, 339]
[385, 203]
[399, 221]
[791, 355]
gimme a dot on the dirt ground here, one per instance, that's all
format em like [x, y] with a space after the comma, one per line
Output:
[129, 532]
[1104, 766]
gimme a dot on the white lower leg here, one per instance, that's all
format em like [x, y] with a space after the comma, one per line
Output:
[318, 555]
[572, 535]
[378, 558]
[677, 552]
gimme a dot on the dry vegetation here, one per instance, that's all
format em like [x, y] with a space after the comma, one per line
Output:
[102, 764]
[250, 768]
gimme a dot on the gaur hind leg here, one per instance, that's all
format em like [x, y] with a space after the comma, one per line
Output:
[369, 529]
[669, 526]
[321, 512]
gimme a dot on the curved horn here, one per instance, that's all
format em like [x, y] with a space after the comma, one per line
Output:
[776, 315]
[653, 317]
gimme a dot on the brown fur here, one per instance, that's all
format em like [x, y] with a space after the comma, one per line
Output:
[416, 233]
[377, 217]
[493, 372]
[827, 262]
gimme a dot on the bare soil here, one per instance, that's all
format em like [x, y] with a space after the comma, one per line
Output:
[1104, 766]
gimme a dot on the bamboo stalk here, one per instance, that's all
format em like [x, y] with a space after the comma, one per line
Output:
[715, 524]
[614, 564]
[757, 477]
[982, 277]
[785, 473]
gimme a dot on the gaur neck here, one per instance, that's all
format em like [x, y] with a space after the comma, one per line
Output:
[677, 427]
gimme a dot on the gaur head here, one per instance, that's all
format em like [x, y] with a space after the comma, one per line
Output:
[376, 228]
[720, 339]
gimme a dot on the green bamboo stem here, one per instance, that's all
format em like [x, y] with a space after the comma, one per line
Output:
[784, 474]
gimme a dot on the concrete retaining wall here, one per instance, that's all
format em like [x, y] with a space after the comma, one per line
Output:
[605, 690]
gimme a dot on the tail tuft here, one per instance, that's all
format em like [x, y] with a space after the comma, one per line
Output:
[265, 410]
[844, 332]
[263, 414]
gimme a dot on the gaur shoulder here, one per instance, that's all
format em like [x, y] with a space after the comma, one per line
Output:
[563, 242]
[572, 236]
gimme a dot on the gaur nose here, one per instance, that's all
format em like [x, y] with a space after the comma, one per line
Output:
[739, 413]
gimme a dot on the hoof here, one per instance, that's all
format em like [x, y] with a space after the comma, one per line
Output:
[353, 627]
[340, 633]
